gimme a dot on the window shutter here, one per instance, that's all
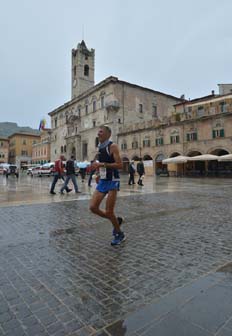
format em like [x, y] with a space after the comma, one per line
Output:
[188, 137]
[222, 133]
[214, 134]
[161, 141]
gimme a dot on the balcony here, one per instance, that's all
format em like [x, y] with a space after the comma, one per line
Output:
[112, 105]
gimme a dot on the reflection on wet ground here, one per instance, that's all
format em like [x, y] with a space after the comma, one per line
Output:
[58, 270]
[28, 190]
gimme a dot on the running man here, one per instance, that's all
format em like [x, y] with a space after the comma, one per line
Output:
[109, 161]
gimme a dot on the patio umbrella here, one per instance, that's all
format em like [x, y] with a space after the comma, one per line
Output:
[227, 157]
[176, 159]
[203, 157]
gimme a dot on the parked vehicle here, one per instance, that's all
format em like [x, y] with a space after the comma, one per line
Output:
[12, 170]
[46, 169]
[3, 168]
[33, 170]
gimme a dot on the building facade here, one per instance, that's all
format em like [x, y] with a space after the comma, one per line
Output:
[112, 101]
[41, 150]
[20, 148]
[4, 149]
[199, 126]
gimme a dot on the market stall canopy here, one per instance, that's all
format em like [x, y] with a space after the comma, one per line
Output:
[227, 157]
[176, 159]
[203, 157]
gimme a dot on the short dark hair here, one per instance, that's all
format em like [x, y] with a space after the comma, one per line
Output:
[107, 128]
[72, 156]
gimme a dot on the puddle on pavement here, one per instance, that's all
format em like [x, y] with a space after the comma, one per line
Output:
[59, 232]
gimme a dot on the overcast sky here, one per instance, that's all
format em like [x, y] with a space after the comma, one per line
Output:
[174, 46]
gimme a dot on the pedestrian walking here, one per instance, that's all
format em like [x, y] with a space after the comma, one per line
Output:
[140, 171]
[131, 173]
[109, 161]
[58, 173]
[70, 175]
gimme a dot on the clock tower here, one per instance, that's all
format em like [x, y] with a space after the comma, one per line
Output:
[83, 61]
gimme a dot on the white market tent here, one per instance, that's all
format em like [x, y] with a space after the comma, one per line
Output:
[176, 159]
[227, 157]
[203, 157]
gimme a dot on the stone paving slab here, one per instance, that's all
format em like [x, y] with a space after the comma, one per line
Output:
[60, 276]
[203, 308]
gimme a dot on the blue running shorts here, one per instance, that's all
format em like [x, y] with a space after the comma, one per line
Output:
[105, 185]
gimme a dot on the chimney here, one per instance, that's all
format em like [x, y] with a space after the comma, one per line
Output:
[212, 92]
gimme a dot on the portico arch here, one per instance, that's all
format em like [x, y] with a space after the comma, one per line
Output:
[174, 154]
[159, 166]
[219, 167]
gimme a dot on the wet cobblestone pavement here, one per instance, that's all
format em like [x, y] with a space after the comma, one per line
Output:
[60, 276]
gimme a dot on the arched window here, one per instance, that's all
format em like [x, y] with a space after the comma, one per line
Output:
[86, 70]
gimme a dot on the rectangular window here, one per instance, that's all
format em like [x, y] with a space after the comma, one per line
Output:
[159, 141]
[102, 101]
[135, 145]
[84, 150]
[94, 123]
[94, 106]
[140, 108]
[174, 139]
[24, 142]
[146, 143]
[24, 153]
[86, 109]
[223, 107]
[191, 136]
[123, 146]
[219, 133]
[79, 112]
[154, 111]
[55, 122]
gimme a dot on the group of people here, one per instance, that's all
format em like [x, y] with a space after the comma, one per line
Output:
[70, 175]
[140, 170]
[106, 165]
[59, 173]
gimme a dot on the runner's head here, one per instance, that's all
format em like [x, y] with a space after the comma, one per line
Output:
[104, 133]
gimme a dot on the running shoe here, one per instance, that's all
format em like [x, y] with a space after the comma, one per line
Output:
[118, 239]
[120, 221]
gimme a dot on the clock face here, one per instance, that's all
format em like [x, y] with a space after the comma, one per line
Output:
[74, 83]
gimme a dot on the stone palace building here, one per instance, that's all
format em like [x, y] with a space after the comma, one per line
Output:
[145, 123]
